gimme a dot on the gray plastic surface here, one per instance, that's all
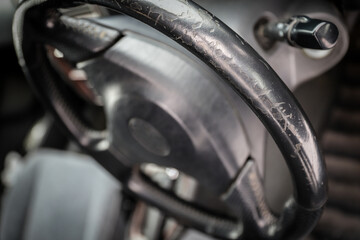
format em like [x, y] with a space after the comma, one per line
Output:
[7, 10]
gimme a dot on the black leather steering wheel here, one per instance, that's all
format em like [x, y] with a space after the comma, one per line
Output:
[37, 23]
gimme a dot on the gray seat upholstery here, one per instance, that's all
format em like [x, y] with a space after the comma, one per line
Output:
[61, 195]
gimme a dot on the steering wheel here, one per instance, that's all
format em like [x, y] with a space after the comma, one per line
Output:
[37, 24]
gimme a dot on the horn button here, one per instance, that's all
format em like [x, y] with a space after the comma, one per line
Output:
[149, 137]
[160, 108]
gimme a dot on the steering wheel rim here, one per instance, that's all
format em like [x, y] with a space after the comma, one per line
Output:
[246, 72]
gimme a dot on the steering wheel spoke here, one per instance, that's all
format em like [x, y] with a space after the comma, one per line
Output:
[186, 213]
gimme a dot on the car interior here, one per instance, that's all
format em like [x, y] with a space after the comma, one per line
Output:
[180, 119]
